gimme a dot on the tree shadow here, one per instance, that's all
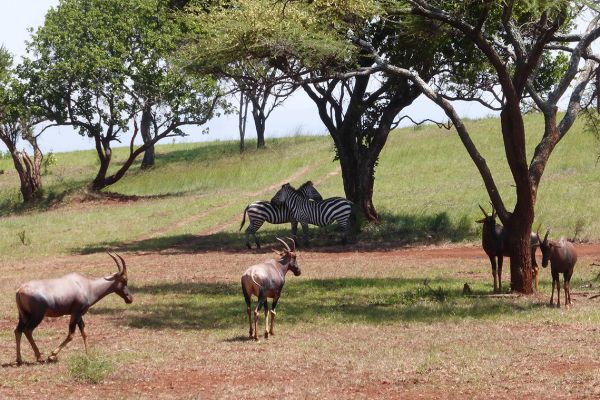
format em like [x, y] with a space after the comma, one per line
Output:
[203, 306]
[395, 231]
[51, 197]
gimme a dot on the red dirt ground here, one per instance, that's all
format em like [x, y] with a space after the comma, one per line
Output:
[214, 368]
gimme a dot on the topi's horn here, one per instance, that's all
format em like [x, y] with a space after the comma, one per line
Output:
[284, 243]
[116, 262]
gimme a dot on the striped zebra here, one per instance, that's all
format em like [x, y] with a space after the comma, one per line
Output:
[260, 212]
[320, 213]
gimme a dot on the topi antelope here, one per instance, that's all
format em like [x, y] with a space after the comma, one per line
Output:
[72, 295]
[266, 280]
[495, 245]
[562, 257]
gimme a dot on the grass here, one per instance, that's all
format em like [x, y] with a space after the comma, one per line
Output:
[399, 326]
[89, 368]
[427, 190]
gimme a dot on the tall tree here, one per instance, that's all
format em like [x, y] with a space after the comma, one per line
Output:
[526, 47]
[102, 65]
[17, 125]
[308, 43]
[263, 88]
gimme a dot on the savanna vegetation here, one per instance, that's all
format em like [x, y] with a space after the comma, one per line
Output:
[428, 194]
[392, 322]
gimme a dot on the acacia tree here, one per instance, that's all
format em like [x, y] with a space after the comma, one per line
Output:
[17, 124]
[101, 66]
[301, 41]
[521, 42]
[259, 85]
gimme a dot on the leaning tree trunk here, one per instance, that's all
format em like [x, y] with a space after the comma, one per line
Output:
[104, 156]
[148, 160]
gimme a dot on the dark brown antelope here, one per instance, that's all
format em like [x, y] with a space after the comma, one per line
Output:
[265, 281]
[71, 295]
[562, 257]
[495, 245]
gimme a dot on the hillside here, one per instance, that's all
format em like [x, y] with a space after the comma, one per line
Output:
[427, 189]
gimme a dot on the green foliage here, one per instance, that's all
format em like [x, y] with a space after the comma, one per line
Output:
[96, 64]
[49, 161]
[263, 29]
[110, 54]
[89, 368]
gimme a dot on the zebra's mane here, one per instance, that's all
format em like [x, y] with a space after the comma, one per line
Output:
[307, 183]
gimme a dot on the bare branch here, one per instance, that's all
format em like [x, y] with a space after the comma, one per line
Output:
[447, 125]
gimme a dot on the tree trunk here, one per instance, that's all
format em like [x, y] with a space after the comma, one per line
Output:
[358, 175]
[148, 160]
[29, 174]
[28, 169]
[519, 237]
[242, 118]
[520, 221]
[260, 122]
[359, 181]
[104, 156]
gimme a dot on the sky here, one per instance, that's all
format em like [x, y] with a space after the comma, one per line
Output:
[297, 115]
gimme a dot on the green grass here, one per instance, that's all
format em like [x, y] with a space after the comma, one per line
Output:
[427, 190]
[89, 368]
[406, 299]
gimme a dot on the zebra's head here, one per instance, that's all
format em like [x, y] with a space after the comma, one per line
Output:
[308, 190]
[283, 194]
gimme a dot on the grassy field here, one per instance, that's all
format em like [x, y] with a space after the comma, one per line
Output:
[377, 319]
[427, 189]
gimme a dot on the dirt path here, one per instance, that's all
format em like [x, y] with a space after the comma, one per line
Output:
[236, 220]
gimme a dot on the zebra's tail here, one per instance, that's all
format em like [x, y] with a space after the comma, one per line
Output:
[244, 218]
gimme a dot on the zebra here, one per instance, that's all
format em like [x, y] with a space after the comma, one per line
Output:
[320, 213]
[261, 211]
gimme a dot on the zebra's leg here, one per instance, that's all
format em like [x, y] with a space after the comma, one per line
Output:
[305, 233]
[251, 230]
[346, 227]
[294, 225]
